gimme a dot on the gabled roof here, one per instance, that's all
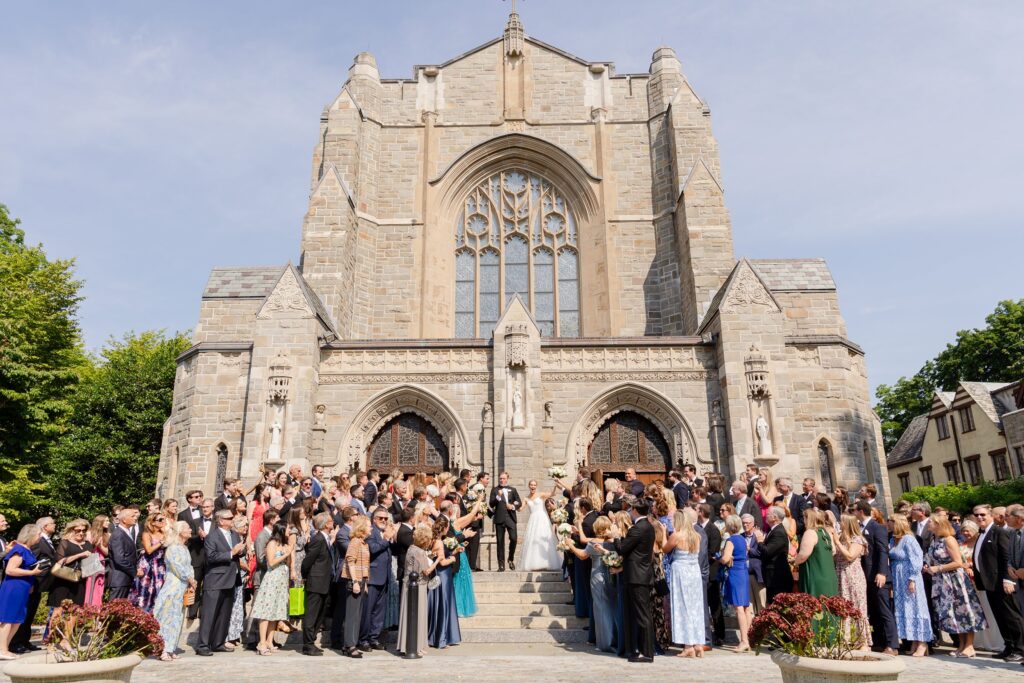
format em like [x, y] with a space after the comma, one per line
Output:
[981, 394]
[795, 274]
[716, 301]
[908, 448]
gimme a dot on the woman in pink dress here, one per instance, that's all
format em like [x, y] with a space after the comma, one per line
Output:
[850, 547]
[99, 537]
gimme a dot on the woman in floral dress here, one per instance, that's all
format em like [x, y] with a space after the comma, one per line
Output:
[151, 567]
[270, 607]
[911, 604]
[957, 607]
[850, 548]
[169, 607]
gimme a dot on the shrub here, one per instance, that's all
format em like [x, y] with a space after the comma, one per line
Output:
[963, 497]
[118, 628]
[803, 625]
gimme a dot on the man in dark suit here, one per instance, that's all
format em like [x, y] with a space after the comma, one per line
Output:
[991, 564]
[633, 486]
[193, 509]
[343, 523]
[705, 517]
[680, 491]
[232, 491]
[637, 551]
[398, 501]
[504, 505]
[790, 499]
[1015, 520]
[382, 533]
[370, 486]
[45, 552]
[690, 477]
[875, 563]
[403, 541]
[778, 577]
[221, 548]
[317, 570]
[705, 573]
[590, 516]
[743, 503]
[201, 527]
[124, 553]
[805, 500]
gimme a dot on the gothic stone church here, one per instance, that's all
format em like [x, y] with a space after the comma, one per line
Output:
[515, 259]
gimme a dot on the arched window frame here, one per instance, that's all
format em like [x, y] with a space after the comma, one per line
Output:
[826, 456]
[507, 208]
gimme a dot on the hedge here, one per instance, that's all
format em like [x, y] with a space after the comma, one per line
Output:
[963, 497]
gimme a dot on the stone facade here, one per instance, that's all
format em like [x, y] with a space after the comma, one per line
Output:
[709, 359]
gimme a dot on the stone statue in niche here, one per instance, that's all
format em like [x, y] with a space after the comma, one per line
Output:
[548, 408]
[517, 406]
[488, 413]
[319, 416]
[764, 442]
[274, 452]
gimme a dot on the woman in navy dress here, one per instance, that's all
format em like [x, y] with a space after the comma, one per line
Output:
[442, 611]
[736, 588]
[19, 579]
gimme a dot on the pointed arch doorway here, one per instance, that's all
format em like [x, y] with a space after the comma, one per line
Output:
[410, 443]
[629, 440]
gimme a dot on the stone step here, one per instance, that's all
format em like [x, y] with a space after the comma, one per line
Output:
[521, 587]
[524, 610]
[508, 598]
[522, 635]
[504, 622]
[513, 577]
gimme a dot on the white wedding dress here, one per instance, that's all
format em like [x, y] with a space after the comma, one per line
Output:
[540, 551]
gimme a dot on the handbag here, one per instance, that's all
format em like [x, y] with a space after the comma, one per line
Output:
[296, 601]
[92, 565]
[189, 598]
[65, 573]
[661, 587]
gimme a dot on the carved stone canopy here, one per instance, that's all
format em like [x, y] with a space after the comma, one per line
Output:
[280, 378]
[516, 346]
[756, 365]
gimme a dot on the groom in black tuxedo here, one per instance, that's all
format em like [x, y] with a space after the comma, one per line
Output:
[504, 505]
[637, 551]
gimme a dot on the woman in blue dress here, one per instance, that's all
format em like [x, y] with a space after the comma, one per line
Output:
[906, 560]
[736, 587]
[20, 577]
[465, 598]
[442, 611]
[686, 585]
[169, 608]
[601, 590]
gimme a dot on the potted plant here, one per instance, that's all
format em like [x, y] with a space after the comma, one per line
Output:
[815, 639]
[92, 644]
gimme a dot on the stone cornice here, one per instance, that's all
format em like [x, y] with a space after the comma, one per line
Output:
[208, 347]
[823, 340]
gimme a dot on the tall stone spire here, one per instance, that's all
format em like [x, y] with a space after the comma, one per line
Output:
[514, 34]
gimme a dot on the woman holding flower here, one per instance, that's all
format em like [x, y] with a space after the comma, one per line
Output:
[443, 618]
[540, 551]
[601, 590]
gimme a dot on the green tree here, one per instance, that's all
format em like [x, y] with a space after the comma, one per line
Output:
[111, 449]
[994, 353]
[40, 358]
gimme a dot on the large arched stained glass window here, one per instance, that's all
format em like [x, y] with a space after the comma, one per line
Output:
[516, 234]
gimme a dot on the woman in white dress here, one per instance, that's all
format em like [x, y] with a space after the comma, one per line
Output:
[540, 550]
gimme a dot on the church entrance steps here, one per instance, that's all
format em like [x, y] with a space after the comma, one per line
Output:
[501, 609]
[535, 623]
[512, 577]
[509, 598]
[522, 607]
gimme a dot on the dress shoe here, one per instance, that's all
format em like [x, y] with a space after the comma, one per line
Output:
[31, 647]
[364, 647]
[1014, 658]
[223, 648]
[354, 653]
[640, 659]
[1003, 654]
[377, 646]
[512, 566]
[501, 569]
[204, 653]
[312, 652]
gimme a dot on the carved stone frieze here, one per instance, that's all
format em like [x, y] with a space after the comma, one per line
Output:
[654, 376]
[623, 360]
[425, 361]
[437, 378]
[287, 296]
[746, 291]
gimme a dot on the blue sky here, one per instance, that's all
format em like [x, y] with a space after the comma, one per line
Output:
[154, 141]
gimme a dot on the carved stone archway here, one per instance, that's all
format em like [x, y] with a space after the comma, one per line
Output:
[639, 399]
[381, 409]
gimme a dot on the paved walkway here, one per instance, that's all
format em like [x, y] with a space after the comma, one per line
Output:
[525, 662]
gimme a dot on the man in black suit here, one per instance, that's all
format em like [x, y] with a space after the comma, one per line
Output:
[343, 523]
[590, 516]
[403, 540]
[193, 508]
[991, 562]
[805, 500]
[743, 503]
[504, 505]
[680, 491]
[201, 526]
[317, 570]
[690, 477]
[221, 548]
[124, 553]
[232, 491]
[633, 486]
[753, 476]
[875, 563]
[637, 551]
[705, 517]
[45, 552]
[778, 577]
[370, 486]
[382, 533]
[473, 549]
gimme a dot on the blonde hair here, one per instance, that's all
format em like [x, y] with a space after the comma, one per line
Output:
[591, 491]
[601, 526]
[849, 527]
[900, 526]
[941, 527]
[623, 520]
[422, 537]
[814, 519]
[733, 524]
[683, 524]
[360, 527]
[72, 525]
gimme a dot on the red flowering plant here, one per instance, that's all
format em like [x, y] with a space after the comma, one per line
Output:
[806, 626]
[118, 628]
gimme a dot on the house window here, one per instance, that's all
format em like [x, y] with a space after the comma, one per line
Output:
[952, 472]
[1000, 465]
[1018, 452]
[974, 475]
[516, 235]
[904, 481]
[926, 476]
[966, 420]
[942, 427]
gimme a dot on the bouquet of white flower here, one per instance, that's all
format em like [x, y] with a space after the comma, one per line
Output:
[557, 472]
[564, 543]
[612, 559]
[451, 543]
[565, 529]
[559, 515]
[479, 490]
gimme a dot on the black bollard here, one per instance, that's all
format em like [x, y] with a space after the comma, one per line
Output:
[412, 620]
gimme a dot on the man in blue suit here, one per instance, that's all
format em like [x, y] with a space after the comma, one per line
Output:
[124, 553]
[876, 570]
[222, 548]
[379, 541]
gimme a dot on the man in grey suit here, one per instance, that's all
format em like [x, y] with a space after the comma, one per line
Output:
[221, 549]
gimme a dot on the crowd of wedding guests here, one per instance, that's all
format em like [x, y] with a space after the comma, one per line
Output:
[326, 557]
[652, 566]
[710, 548]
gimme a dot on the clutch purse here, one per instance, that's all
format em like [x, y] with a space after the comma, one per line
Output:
[189, 598]
[92, 565]
[66, 573]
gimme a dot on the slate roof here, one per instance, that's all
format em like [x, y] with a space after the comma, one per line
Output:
[810, 274]
[254, 282]
[908, 448]
[946, 397]
[981, 392]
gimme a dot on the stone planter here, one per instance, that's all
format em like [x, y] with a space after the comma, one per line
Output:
[39, 668]
[863, 668]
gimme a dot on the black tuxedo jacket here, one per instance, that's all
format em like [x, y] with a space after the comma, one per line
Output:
[400, 548]
[714, 548]
[317, 565]
[775, 559]
[637, 551]
[991, 559]
[502, 515]
[221, 566]
[876, 560]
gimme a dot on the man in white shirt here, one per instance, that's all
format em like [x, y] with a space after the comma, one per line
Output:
[991, 565]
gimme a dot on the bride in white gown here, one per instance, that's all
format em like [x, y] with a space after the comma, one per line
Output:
[540, 550]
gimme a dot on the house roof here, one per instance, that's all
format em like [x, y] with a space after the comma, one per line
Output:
[981, 394]
[908, 448]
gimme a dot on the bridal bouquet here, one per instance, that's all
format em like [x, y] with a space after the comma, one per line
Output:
[565, 529]
[559, 516]
[451, 543]
[556, 472]
[479, 490]
[612, 559]
[564, 543]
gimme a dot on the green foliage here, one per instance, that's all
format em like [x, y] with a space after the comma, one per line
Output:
[111, 449]
[994, 353]
[963, 497]
[40, 358]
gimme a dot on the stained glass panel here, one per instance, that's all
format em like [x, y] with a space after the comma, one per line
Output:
[380, 452]
[601, 448]
[628, 439]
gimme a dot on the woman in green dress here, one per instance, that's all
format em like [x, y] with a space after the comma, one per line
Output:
[815, 557]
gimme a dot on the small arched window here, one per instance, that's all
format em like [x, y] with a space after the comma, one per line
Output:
[222, 466]
[826, 465]
[516, 235]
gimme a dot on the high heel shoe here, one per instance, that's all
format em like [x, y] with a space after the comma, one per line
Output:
[263, 653]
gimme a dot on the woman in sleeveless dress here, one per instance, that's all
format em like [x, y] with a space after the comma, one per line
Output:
[601, 589]
[817, 568]
[99, 537]
[442, 612]
[687, 588]
[151, 567]
[540, 549]
[270, 607]
[465, 597]
[736, 589]
[850, 548]
[169, 608]
[957, 608]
